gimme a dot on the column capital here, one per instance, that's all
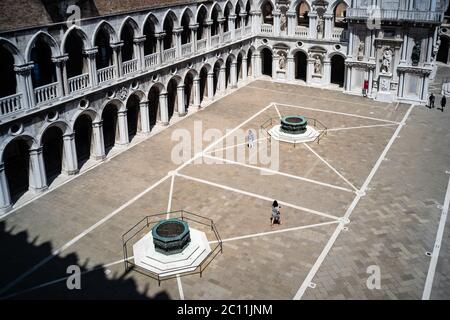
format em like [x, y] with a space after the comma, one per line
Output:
[117, 46]
[60, 59]
[209, 22]
[138, 40]
[69, 136]
[122, 113]
[180, 86]
[327, 16]
[160, 35]
[291, 14]
[242, 15]
[35, 150]
[91, 52]
[97, 124]
[194, 26]
[221, 20]
[232, 17]
[163, 94]
[24, 69]
[178, 31]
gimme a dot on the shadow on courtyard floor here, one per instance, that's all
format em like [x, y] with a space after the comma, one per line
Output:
[17, 251]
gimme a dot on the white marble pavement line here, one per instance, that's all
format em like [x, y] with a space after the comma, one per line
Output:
[278, 111]
[319, 98]
[437, 246]
[261, 234]
[338, 113]
[126, 204]
[361, 127]
[330, 166]
[258, 196]
[219, 160]
[234, 146]
[360, 193]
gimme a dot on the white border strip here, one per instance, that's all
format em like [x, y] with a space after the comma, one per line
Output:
[437, 247]
[339, 113]
[349, 211]
[254, 195]
[278, 173]
[277, 231]
[331, 167]
[126, 204]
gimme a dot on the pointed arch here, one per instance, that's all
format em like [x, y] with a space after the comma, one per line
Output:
[79, 33]
[201, 7]
[171, 15]
[12, 49]
[109, 30]
[216, 7]
[154, 20]
[131, 22]
[48, 39]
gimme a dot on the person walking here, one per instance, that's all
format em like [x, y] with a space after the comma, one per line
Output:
[276, 215]
[443, 103]
[431, 101]
[251, 139]
[365, 88]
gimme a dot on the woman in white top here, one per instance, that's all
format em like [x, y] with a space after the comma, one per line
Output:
[276, 215]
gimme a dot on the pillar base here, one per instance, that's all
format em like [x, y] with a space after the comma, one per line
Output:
[6, 209]
[99, 158]
[233, 86]
[165, 124]
[72, 172]
[182, 114]
[38, 190]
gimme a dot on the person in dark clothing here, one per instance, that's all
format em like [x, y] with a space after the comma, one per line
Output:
[431, 101]
[443, 103]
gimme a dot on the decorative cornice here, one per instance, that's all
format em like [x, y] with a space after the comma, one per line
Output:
[415, 70]
[361, 64]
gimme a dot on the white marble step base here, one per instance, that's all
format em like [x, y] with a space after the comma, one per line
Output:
[145, 255]
[309, 135]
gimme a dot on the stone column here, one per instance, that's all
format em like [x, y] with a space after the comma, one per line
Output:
[5, 198]
[123, 128]
[164, 109]
[276, 23]
[257, 64]
[328, 18]
[208, 25]
[233, 75]
[350, 43]
[256, 21]
[401, 79]
[117, 57]
[160, 47]
[429, 50]
[244, 68]
[404, 47]
[231, 26]
[70, 163]
[291, 23]
[177, 33]
[24, 85]
[210, 86]
[220, 32]
[197, 102]
[145, 118]
[38, 179]
[290, 69]
[60, 65]
[99, 143]
[92, 65]
[310, 70]
[139, 48]
[370, 79]
[193, 29]
[181, 100]
[326, 76]
[222, 79]
[312, 32]
[243, 16]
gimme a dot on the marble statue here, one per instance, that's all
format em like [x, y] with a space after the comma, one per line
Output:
[283, 22]
[317, 66]
[415, 55]
[386, 61]
[361, 50]
[282, 61]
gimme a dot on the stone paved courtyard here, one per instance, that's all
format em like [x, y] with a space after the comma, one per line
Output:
[400, 153]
